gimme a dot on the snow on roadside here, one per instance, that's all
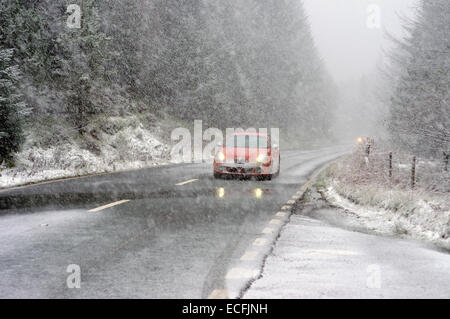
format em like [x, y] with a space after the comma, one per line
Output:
[129, 148]
[421, 222]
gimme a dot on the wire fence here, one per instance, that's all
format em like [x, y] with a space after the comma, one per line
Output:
[376, 164]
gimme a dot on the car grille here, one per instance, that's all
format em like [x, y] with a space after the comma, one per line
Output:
[242, 170]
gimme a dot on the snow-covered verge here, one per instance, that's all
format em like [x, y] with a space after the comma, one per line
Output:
[111, 144]
[388, 208]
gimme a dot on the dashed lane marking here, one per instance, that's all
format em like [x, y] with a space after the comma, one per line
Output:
[259, 242]
[330, 252]
[219, 294]
[249, 256]
[238, 273]
[186, 182]
[304, 187]
[245, 273]
[108, 205]
[275, 222]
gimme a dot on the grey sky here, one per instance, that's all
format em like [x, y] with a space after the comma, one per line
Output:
[347, 45]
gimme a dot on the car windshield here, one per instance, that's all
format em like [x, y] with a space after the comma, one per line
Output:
[248, 141]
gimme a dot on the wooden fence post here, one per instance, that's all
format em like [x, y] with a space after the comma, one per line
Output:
[368, 146]
[390, 165]
[413, 172]
[446, 156]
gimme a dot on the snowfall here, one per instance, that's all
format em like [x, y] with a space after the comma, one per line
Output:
[128, 149]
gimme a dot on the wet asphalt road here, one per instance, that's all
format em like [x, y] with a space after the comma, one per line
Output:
[168, 241]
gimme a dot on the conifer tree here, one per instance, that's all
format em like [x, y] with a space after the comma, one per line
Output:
[11, 108]
[83, 60]
[419, 109]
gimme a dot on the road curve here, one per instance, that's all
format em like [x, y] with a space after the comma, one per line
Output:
[164, 232]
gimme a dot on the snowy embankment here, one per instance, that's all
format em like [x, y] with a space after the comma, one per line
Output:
[388, 208]
[124, 147]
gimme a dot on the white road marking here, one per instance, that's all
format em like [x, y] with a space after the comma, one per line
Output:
[57, 180]
[246, 273]
[218, 294]
[290, 202]
[331, 252]
[259, 242]
[186, 182]
[304, 187]
[268, 230]
[108, 205]
[249, 255]
[238, 273]
[275, 222]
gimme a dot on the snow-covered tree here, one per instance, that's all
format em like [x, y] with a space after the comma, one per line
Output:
[419, 111]
[11, 107]
[24, 30]
[124, 23]
[230, 63]
[84, 55]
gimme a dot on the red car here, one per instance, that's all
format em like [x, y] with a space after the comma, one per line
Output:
[248, 154]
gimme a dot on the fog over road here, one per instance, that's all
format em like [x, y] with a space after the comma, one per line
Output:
[176, 232]
[168, 241]
[111, 86]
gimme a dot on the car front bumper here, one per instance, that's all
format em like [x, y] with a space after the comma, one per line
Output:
[241, 169]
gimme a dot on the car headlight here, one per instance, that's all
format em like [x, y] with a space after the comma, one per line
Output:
[263, 159]
[220, 157]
